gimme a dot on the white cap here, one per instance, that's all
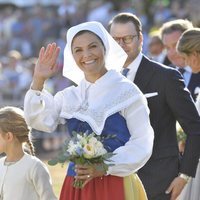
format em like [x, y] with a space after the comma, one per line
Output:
[115, 55]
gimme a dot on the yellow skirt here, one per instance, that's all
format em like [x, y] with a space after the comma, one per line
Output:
[133, 188]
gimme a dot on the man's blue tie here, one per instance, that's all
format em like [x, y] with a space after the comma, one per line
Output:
[125, 71]
[181, 70]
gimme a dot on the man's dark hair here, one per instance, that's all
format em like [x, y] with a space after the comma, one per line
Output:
[125, 18]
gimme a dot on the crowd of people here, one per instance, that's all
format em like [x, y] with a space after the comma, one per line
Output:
[105, 80]
[26, 29]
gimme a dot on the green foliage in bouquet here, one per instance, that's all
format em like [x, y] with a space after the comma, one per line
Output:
[181, 136]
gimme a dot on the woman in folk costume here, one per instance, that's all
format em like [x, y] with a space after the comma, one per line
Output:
[189, 47]
[104, 102]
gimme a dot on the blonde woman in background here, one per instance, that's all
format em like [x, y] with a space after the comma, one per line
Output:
[22, 176]
[189, 47]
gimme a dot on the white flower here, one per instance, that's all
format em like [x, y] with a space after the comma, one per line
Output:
[74, 148]
[99, 149]
[92, 140]
[82, 140]
[89, 151]
[87, 146]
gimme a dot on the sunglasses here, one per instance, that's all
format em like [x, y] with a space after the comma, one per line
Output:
[126, 39]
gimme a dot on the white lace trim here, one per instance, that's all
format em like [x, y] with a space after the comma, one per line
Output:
[97, 117]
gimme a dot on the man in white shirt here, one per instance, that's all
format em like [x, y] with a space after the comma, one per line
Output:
[170, 34]
[168, 101]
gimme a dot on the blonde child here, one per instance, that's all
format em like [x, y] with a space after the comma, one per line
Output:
[22, 176]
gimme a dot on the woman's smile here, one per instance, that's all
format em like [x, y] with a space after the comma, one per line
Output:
[89, 55]
[90, 62]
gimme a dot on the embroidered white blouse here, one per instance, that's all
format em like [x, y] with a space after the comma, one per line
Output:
[94, 103]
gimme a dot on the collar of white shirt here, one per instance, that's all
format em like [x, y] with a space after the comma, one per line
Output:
[187, 74]
[134, 67]
[186, 68]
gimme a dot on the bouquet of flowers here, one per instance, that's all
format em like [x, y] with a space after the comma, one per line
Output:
[83, 149]
[181, 136]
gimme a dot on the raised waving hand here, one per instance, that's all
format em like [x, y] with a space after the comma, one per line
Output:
[46, 65]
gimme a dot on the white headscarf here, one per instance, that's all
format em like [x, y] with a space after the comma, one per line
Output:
[115, 55]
